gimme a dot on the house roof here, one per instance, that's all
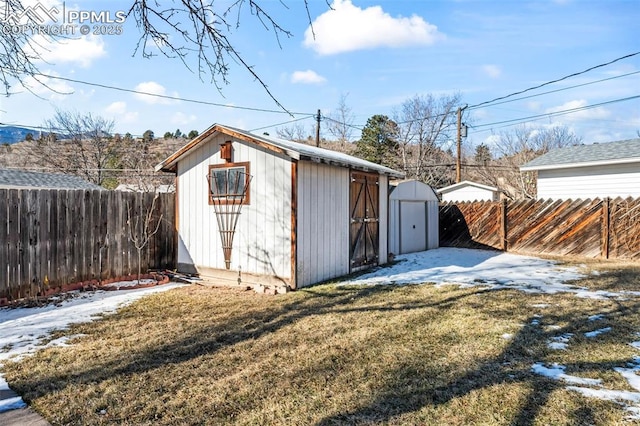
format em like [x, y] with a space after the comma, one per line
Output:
[294, 150]
[10, 178]
[464, 184]
[620, 152]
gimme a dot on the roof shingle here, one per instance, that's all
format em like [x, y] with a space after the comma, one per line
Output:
[584, 155]
[10, 178]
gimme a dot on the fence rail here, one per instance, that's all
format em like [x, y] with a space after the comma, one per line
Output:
[53, 238]
[607, 228]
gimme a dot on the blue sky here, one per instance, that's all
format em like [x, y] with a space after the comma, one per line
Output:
[377, 54]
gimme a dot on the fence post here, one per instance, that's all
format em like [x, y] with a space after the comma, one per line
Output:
[503, 225]
[606, 223]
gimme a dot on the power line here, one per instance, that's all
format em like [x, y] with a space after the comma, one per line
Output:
[281, 124]
[561, 89]
[556, 80]
[557, 113]
[173, 98]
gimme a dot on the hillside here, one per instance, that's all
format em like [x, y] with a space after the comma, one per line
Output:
[13, 134]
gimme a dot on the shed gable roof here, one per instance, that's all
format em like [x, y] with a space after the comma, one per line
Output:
[10, 178]
[295, 150]
[627, 151]
[464, 184]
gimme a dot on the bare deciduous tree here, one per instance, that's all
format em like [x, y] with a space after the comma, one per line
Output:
[427, 129]
[79, 144]
[142, 227]
[294, 132]
[196, 32]
[516, 147]
[340, 121]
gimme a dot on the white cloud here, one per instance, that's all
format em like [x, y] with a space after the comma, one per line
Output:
[181, 118]
[307, 77]
[492, 71]
[117, 108]
[585, 114]
[45, 86]
[120, 112]
[81, 51]
[154, 88]
[347, 28]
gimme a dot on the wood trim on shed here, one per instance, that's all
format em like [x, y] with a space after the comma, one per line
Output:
[293, 283]
[247, 193]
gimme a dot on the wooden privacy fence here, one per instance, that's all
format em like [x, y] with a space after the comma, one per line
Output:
[53, 238]
[591, 228]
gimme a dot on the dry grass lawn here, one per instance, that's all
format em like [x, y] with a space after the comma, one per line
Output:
[338, 355]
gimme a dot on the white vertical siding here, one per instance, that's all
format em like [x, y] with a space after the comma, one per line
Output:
[323, 223]
[433, 225]
[262, 243]
[383, 223]
[620, 180]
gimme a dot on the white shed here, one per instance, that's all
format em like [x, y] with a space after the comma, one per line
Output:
[308, 214]
[413, 218]
[469, 191]
[589, 171]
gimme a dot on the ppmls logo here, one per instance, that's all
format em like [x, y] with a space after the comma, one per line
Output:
[58, 20]
[38, 14]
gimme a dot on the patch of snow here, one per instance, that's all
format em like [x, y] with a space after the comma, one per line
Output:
[468, 267]
[596, 317]
[609, 395]
[560, 342]
[23, 330]
[635, 345]
[541, 305]
[630, 374]
[556, 372]
[11, 404]
[507, 336]
[594, 333]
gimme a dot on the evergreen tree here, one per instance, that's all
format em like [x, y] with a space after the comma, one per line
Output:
[379, 142]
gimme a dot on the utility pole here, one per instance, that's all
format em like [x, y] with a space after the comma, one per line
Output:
[459, 145]
[318, 129]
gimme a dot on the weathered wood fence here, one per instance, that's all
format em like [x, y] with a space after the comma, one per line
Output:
[52, 238]
[590, 228]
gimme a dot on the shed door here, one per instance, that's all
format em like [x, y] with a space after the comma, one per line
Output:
[364, 229]
[413, 226]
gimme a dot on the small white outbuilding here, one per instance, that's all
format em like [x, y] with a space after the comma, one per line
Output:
[413, 218]
[469, 191]
[269, 210]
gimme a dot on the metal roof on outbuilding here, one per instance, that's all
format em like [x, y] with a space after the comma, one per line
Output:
[10, 178]
[464, 184]
[295, 150]
[620, 152]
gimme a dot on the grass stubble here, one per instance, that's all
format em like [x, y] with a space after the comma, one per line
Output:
[415, 354]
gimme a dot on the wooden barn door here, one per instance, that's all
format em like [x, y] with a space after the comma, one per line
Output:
[364, 229]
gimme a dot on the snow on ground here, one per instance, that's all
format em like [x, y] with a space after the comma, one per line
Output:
[475, 267]
[496, 270]
[492, 269]
[24, 330]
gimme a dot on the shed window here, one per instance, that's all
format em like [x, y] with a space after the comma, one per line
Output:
[229, 183]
